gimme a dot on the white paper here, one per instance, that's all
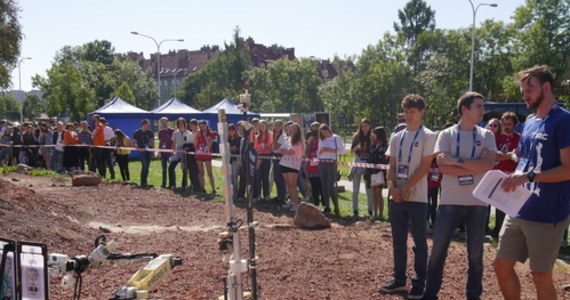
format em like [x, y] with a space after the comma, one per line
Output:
[489, 190]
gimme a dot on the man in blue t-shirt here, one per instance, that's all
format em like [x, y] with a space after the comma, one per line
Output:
[544, 168]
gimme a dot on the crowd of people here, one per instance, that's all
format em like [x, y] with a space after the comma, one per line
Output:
[430, 176]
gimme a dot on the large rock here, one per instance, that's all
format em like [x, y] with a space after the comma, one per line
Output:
[310, 216]
[85, 178]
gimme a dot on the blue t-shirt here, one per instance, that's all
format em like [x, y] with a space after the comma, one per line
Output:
[540, 143]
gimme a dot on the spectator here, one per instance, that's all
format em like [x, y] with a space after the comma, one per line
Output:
[29, 150]
[179, 138]
[17, 141]
[262, 144]
[464, 153]
[544, 169]
[70, 154]
[291, 163]
[85, 139]
[6, 148]
[45, 137]
[495, 126]
[411, 151]
[279, 143]
[97, 153]
[312, 168]
[108, 152]
[122, 141]
[165, 142]
[330, 147]
[204, 148]
[57, 155]
[143, 139]
[361, 149]
[506, 158]
[235, 143]
[378, 149]
[191, 163]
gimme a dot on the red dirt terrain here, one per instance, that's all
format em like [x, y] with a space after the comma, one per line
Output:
[347, 261]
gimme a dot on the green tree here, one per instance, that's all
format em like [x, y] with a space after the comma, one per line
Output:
[124, 92]
[339, 94]
[10, 39]
[286, 85]
[126, 71]
[383, 80]
[220, 78]
[65, 92]
[9, 107]
[416, 18]
[33, 106]
[543, 37]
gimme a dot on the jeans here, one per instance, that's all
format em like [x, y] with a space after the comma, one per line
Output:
[145, 157]
[448, 218]
[327, 174]
[402, 214]
[262, 179]
[98, 161]
[432, 202]
[356, 191]
[57, 161]
[300, 183]
[236, 166]
[279, 179]
[164, 163]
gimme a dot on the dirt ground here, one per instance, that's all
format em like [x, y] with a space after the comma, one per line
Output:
[347, 261]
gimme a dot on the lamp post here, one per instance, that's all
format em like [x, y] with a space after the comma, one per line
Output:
[157, 58]
[20, 86]
[475, 8]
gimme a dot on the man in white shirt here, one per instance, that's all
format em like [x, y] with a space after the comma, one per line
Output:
[411, 152]
[108, 153]
[464, 153]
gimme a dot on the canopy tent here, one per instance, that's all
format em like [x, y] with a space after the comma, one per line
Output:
[233, 113]
[122, 115]
[174, 108]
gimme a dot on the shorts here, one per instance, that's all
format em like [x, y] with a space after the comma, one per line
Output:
[288, 170]
[539, 242]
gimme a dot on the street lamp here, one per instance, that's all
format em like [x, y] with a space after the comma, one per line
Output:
[475, 8]
[20, 86]
[157, 57]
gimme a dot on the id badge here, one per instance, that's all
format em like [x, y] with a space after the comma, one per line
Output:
[465, 180]
[523, 161]
[435, 177]
[402, 172]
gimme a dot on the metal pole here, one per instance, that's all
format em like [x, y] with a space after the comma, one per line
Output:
[20, 87]
[157, 59]
[474, 9]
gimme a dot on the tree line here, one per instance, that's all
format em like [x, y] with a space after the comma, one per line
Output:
[418, 58]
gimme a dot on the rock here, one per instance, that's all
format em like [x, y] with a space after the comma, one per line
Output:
[310, 216]
[85, 178]
[23, 168]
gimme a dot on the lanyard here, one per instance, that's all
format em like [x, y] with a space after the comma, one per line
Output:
[411, 145]
[474, 141]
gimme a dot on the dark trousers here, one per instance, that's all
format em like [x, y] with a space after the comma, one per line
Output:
[123, 162]
[83, 156]
[98, 161]
[145, 157]
[165, 169]
[108, 158]
[192, 169]
[172, 174]
[432, 204]
[317, 189]
[499, 219]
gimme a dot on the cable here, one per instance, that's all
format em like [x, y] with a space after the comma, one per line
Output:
[77, 286]
[117, 256]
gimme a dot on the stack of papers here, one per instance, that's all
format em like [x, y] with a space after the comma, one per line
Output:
[489, 190]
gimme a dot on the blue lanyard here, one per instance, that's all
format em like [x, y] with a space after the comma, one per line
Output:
[411, 145]
[474, 141]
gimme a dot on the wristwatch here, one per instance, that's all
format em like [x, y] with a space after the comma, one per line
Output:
[530, 175]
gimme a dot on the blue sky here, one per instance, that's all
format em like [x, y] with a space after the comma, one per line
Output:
[314, 27]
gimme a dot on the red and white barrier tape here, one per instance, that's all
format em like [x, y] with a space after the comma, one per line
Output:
[171, 151]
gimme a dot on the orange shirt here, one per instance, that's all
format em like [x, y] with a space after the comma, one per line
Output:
[99, 136]
[70, 139]
[263, 144]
